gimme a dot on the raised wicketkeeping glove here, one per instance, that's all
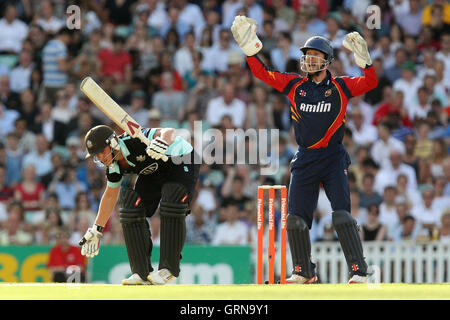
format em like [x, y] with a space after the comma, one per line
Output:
[157, 149]
[90, 243]
[244, 33]
[355, 43]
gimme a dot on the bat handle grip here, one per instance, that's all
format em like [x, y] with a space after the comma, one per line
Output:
[145, 140]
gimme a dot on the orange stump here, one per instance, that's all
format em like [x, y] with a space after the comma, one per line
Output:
[260, 229]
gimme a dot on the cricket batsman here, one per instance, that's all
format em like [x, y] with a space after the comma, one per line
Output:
[318, 106]
[159, 182]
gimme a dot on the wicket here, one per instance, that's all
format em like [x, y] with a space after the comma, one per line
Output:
[260, 228]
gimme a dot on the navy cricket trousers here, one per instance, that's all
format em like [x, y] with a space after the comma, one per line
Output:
[310, 168]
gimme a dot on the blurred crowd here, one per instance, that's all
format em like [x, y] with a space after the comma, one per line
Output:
[171, 63]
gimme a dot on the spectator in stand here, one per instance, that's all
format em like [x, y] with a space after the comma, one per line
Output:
[175, 23]
[8, 97]
[444, 55]
[407, 230]
[199, 229]
[47, 19]
[368, 195]
[66, 186]
[215, 58]
[395, 72]
[30, 192]
[15, 230]
[373, 229]
[13, 160]
[184, 57]
[82, 210]
[232, 231]
[388, 213]
[381, 148]
[7, 119]
[358, 212]
[284, 52]
[419, 110]
[334, 32]
[27, 139]
[411, 195]
[269, 37]
[115, 64]
[45, 124]
[40, 158]
[446, 167]
[226, 104]
[364, 133]
[408, 83]
[411, 21]
[56, 64]
[13, 31]
[167, 100]
[191, 14]
[316, 24]
[444, 230]
[438, 24]
[138, 107]
[388, 174]
[392, 111]
[424, 146]
[6, 192]
[300, 33]
[20, 75]
[29, 109]
[232, 190]
[48, 229]
[65, 259]
[427, 214]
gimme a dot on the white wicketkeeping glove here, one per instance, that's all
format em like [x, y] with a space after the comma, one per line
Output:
[244, 33]
[90, 243]
[355, 43]
[157, 149]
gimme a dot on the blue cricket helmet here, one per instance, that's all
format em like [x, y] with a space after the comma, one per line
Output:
[321, 44]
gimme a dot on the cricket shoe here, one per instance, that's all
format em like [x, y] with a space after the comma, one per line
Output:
[298, 279]
[160, 277]
[133, 280]
[357, 279]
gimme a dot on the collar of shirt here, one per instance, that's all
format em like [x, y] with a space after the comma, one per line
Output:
[324, 82]
[125, 151]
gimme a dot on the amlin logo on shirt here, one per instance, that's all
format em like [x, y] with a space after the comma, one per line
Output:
[320, 107]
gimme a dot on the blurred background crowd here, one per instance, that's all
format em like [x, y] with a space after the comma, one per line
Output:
[171, 63]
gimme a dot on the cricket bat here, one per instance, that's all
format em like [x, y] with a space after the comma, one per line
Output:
[115, 112]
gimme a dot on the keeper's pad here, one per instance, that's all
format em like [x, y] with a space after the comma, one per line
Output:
[347, 231]
[136, 232]
[300, 245]
[173, 210]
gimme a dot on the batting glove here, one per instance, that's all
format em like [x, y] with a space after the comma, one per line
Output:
[355, 43]
[244, 33]
[90, 243]
[157, 149]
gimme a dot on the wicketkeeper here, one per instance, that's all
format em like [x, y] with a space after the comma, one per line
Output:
[161, 181]
[318, 106]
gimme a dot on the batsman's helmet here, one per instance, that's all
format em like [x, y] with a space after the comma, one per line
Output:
[98, 138]
[321, 44]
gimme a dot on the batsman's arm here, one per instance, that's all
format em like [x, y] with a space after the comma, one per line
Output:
[107, 203]
[275, 79]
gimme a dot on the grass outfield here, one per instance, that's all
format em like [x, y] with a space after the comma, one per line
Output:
[52, 291]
